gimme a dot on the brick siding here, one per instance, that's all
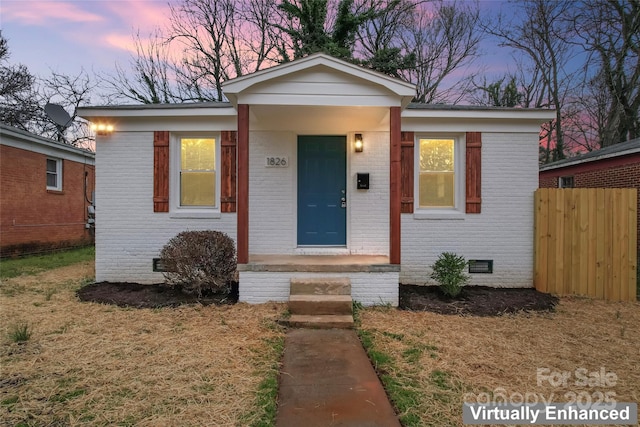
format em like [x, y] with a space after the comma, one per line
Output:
[620, 172]
[367, 288]
[503, 232]
[32, 218]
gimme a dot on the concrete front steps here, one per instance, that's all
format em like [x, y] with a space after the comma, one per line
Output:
[320, 303]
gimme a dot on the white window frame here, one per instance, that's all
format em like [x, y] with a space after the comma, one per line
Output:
[58, 186]
[459, 161]
[561, 183]
[175, 209]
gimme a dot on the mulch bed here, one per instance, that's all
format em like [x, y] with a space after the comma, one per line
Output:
[150, 296]
[474, 300]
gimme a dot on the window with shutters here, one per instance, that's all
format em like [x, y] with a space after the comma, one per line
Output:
[195, 185]
[439, 184]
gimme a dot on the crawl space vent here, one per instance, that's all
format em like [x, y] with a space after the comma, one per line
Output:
[480, 266]
[158, 265]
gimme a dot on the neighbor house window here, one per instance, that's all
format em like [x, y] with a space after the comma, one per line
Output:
[54, 174]
[565, 182]
[437, 181]
[197, 172]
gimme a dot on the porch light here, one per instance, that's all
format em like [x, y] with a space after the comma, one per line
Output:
[359, 144]
[102, 129]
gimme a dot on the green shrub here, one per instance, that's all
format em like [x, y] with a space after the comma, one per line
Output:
[200, 261]
[448, 271]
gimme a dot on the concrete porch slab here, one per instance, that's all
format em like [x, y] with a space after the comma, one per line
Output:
[320, 263]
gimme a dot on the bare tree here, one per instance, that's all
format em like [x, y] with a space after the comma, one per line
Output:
[585, 116]
[18, 104]
[610, 31]
[206, 43]
[222, 39]
[544, 38]
[151, 80]
[70, 92]
[443, 38]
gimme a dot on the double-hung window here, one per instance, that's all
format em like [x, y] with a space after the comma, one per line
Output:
[194, 181]
[440, 183]
[54, 174]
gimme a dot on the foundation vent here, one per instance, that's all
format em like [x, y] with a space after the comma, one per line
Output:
[481, 266]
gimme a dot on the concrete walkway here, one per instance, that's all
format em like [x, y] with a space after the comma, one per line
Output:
[327, 380]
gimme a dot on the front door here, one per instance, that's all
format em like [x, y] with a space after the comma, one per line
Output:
[322, 174]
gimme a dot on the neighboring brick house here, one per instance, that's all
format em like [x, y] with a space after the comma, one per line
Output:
[616, 166]
[45, 190]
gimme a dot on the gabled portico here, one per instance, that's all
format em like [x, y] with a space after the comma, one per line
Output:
[320, 95]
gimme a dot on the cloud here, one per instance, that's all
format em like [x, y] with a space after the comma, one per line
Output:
[43, 13]
[120, 41]
[143, 15]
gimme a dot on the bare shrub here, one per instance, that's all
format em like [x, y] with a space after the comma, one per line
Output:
[200, 261]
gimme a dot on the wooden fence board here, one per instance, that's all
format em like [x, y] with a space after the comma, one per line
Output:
[585, 242]
[633, 246]
[541, 239]
[592, 251]
[600, 237]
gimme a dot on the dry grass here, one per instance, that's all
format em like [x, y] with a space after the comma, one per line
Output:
[92, 364]
[440, 361]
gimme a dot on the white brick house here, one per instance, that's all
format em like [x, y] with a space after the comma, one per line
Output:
[278, 169]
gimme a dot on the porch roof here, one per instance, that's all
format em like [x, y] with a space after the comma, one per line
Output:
[319, 79]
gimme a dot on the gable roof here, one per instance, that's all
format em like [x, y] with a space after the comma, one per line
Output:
[319, 62]
[616, 150]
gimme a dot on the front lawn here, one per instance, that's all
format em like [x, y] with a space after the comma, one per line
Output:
[430, 363]
[102, 365]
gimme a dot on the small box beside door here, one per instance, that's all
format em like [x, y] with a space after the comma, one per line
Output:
[362, 181]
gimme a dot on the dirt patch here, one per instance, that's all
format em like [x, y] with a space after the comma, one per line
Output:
[150, 296]
[475, 300]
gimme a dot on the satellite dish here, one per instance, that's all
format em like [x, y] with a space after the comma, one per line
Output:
[59, 116]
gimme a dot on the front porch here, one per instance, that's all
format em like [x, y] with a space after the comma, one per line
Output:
[373, 279]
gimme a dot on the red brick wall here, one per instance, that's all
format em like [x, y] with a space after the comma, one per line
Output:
[619, 172]
[33, 218]
[548, 181]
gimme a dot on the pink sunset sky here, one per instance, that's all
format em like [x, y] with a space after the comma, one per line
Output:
[66, 36]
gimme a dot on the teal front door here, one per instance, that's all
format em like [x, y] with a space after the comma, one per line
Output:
[322, 174]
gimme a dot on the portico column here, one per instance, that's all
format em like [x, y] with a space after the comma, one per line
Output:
[395, 178]
[243, 184]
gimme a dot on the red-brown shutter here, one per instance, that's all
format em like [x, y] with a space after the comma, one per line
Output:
[406, 168]
[228, 149]
[161, 171]
[473, 172]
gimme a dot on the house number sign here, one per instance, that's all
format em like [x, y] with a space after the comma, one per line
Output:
[277, 162]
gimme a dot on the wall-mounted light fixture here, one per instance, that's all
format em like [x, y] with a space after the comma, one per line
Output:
[358, 143]
[102, 129]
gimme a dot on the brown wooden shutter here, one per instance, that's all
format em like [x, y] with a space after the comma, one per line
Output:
[473, 172]
[228, 148]
[406, 168]
[161, 171]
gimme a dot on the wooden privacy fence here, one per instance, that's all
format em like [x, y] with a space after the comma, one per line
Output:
[586, 242]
